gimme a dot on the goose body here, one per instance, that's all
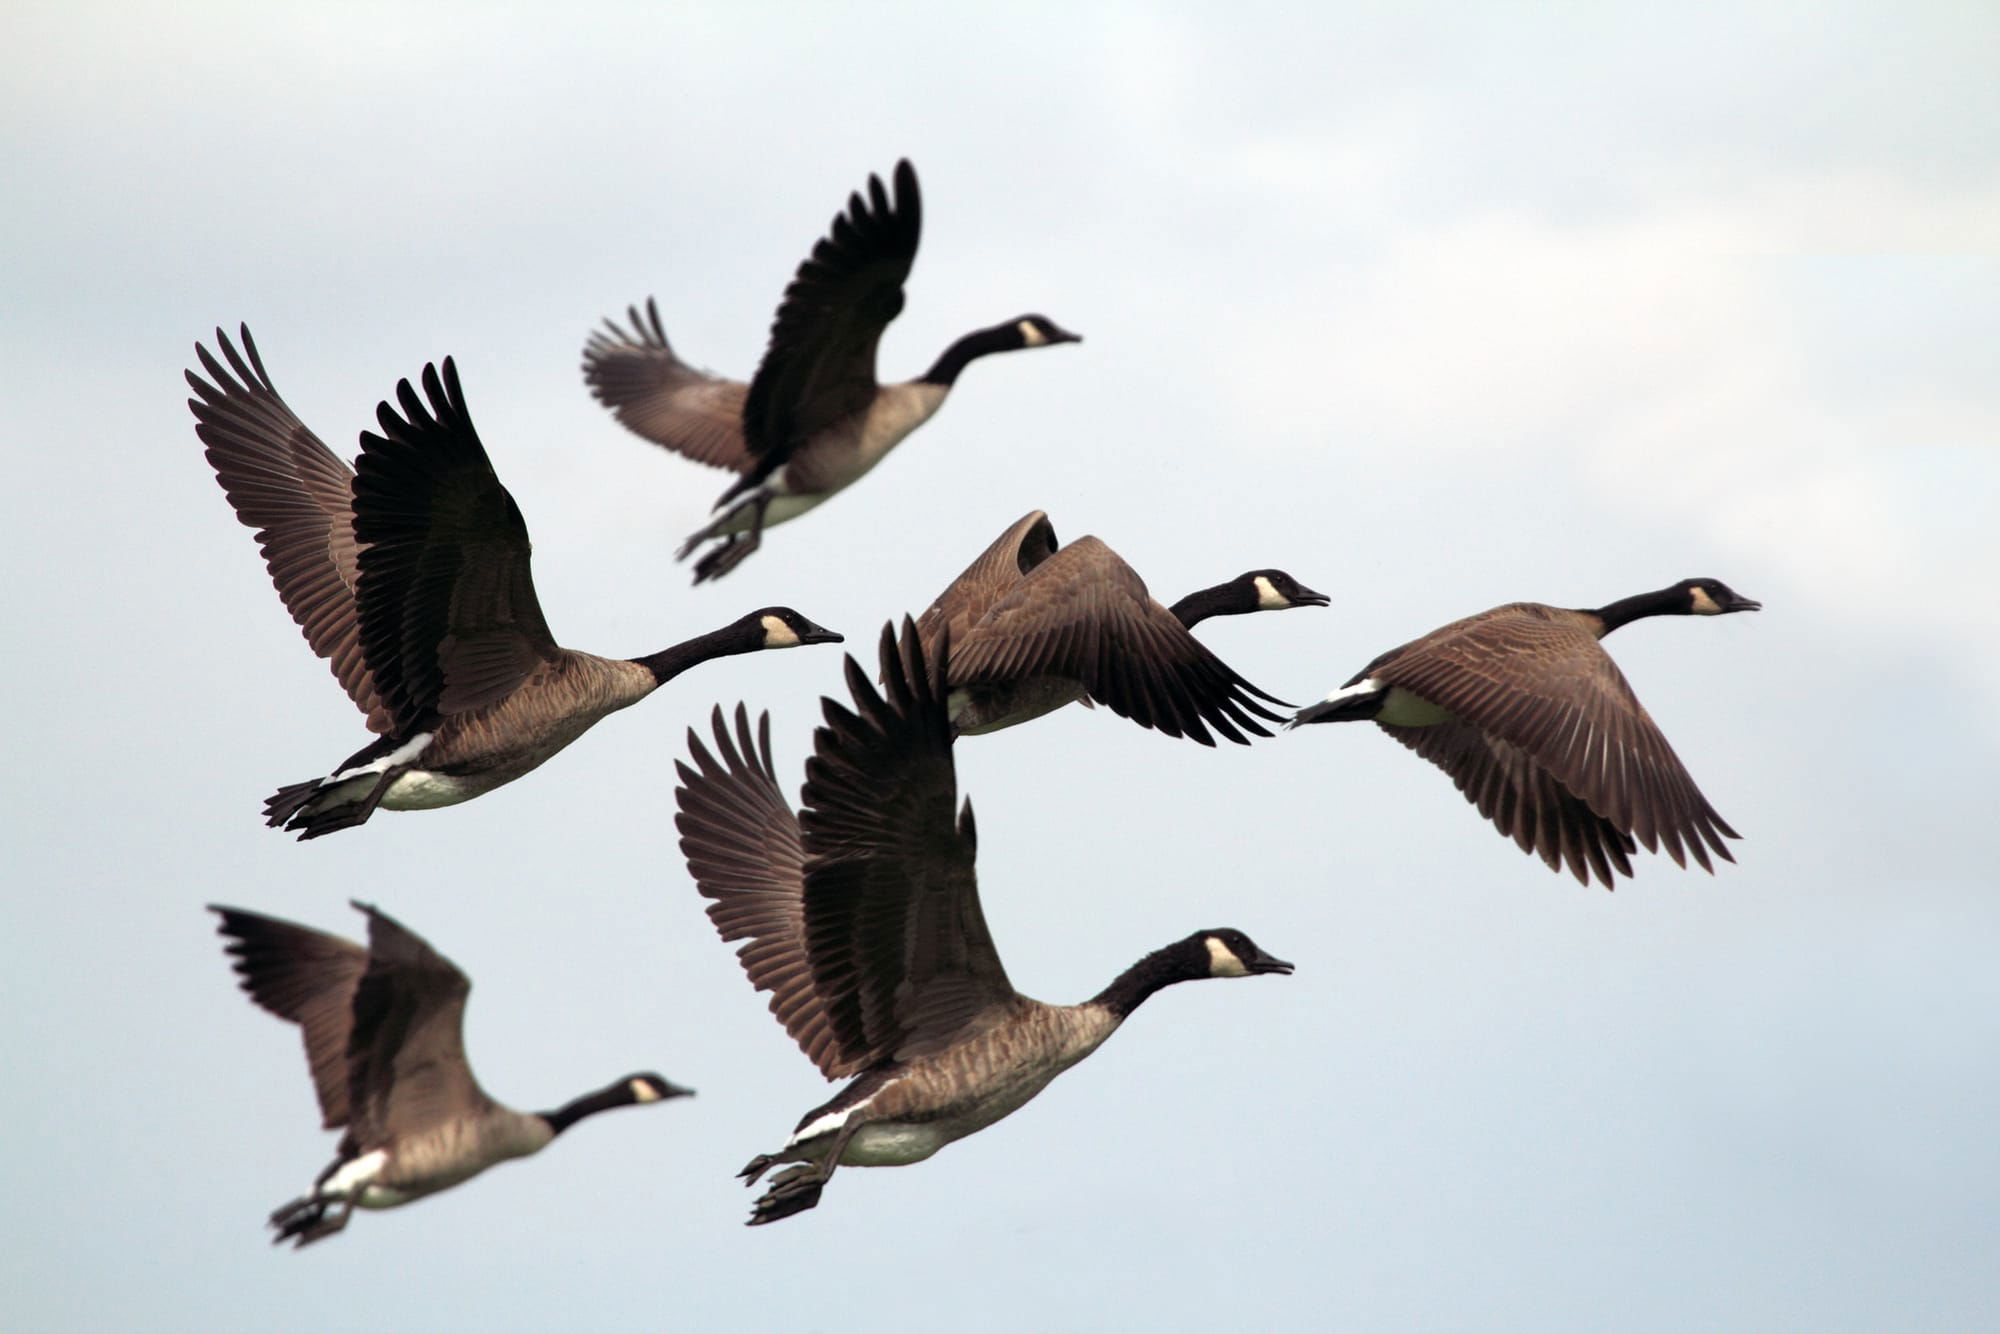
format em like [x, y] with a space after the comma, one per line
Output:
[814, 419]
[411, 574]
[861, 917]
[382, 1027]
[1035, 625]
[1539, 729]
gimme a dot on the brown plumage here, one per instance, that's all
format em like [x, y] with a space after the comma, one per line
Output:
[383, 1031]
[1543, 734]
[861, 917]
[412, 576]
[1035, 625]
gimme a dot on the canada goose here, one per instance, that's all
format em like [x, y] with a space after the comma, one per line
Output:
[1540, 730]
[413, 578]
[814, 419]
[861, 917]
[1035, 625]
[382, 1029]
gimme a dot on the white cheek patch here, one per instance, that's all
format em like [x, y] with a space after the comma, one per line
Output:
[1704, 605]
[644, 1092]
[779, 635]
[1222, 961]
[1268, 596]
[1030, 335]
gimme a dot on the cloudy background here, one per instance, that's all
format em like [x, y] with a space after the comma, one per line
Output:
[1433, 309]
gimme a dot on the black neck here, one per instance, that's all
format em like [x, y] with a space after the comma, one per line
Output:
[1221, 600]
[1665, 602]
[590, 1104]
[1161, 968]
[671, 662]
[978, 343]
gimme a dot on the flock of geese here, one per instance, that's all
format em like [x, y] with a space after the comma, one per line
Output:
[859, 914]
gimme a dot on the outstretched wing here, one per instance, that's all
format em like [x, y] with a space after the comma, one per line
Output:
[307, 977]
[282, 480]
[449, 618]
[1084, 615]
[819, 367]
[659, 396]
[406, 1056]
[997, 571]
[899, 948]
[741, 842]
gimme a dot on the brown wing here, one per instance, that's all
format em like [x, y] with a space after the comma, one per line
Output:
[406, 1056]
[819, 367]
[741, 842]
[899, 947]
[657, 395]
[307, 977]
[1523, 800]
[1084, 615]
[1027, 542]
[282, 480]
[449, 618]
[1536, 678]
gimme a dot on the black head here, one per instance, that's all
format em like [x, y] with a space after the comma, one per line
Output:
[1712, 597]
[781, 627]
[1274, 590]
[1040, 331]
[1227, 952]
[651, 1088]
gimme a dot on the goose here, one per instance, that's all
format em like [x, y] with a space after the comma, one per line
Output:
[412, 576]
[861, 917]
[383, 1037]
[1035, 625]
[1539, 729]
[813, 419]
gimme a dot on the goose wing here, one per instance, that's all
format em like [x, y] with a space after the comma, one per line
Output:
[282, 480]
[741, 841]
[899, 948]
[1085, 615]
[1536, 678]
[406, 1055]
[657, 395]
[449, 618]
[1523, 800]
[819, 367]
[1027, 542]
[307, 977]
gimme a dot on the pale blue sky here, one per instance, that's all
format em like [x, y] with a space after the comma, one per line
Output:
[1434, 309]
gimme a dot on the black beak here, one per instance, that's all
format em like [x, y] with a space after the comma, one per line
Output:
[1744, 604]
[1305, 597]
[1264, 963]
[1058, 334]
[675, 1090]
[819, 634]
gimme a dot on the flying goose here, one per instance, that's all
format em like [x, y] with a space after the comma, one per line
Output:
[814, 418]
[1539, 729]
[413, 577]
[861, 917]
[1035, 625]
[382, 1029]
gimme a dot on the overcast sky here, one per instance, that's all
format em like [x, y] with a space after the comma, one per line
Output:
[1435, 309]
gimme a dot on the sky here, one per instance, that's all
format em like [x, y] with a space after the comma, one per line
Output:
[1433, 307]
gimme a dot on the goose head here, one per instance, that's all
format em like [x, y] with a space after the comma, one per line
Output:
[1712, 597]
[1274, 590]
[1227, 952]
[781, 627]
[1038, 331]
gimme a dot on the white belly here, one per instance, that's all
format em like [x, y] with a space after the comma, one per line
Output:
[422, 790]
[892, 1144]
[1402, 709]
